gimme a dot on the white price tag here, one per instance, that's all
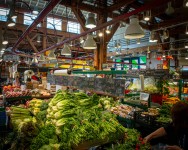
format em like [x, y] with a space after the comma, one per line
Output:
[144, 96]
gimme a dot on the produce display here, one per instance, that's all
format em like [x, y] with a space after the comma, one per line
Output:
[124, 111]
[132, 141]
[164, 114]
[171, 100]
[13, 91]
[79, 118]
[40, 93]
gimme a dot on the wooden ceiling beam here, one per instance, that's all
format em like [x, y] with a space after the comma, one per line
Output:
[119, 4]
[80, 17]
[168, 23]
[31, 44]
[89, 8]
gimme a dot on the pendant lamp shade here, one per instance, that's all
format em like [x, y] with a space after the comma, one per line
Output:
[42, 58]
[153, 37]
[134, 30]
[90, 22]
[4, 40]
[66, 50]
[34, 60]
[51, 55]
[10, 22]
[90, 43]
[35, 10]
[38, 38]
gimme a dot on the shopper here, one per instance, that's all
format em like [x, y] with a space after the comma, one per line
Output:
[177, 131]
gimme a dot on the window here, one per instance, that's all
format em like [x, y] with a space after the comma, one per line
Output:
[3, 14]
[73, 27]
[54, 23]
[29, 18]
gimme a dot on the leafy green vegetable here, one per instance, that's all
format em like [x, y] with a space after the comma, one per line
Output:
[43, 138]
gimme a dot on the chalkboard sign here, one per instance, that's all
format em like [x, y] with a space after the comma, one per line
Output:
[50, 78]
[110, 86]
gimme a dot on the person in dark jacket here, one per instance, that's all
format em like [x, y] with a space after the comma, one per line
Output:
[177, 131]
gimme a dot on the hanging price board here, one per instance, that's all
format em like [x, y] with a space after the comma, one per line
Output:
[10, 57]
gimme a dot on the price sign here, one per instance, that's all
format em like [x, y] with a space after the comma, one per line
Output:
[10, 57]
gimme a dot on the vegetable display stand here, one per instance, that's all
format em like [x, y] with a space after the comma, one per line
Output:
[126, 122]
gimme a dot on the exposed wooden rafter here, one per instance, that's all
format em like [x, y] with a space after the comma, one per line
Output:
[80, 17]
[119, 4]
[31, 43]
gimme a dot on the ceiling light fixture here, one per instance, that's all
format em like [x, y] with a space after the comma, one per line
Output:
[186, 3]
[66, 50]
[186, 44]
[186, 31]
[138, 41]
[108, 30]
[10, 22]
[186, 57]
[4, 40]
[38, 38]
[51, 55]
[170, 10]
[165, 34]
[134, 30]
[81, 40]
[100, 34]
[34, 60]
[147, 16]
[164, 55]
[153, 37]
[90, 22]
[90, 43]
[35, 10]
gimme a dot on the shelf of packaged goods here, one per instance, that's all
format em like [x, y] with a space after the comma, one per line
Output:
[100, 72]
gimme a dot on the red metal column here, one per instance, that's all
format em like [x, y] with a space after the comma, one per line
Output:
[40, 17]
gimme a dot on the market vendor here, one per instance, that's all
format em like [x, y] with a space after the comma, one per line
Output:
[177, 131]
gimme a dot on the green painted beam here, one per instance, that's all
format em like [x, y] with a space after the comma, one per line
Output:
[100, 72]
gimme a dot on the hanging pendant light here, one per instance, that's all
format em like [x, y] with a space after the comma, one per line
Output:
[10, 22]
[138, 41]
[34, 60]
[134, 30]
[165, 34]
[35, 10]
[108, 30]
[51, 55]
[90, 43]
[38, 38]
[185, 3]
[170, 10]
[147, 16]
[153, 37]
[90, 22]
[42, 58]
[66, 50]
[13, 13]
[186, 44]
[100, 34]
[186, 31]
[4, 40]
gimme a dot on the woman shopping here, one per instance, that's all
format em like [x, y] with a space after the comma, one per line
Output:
[177, 131]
